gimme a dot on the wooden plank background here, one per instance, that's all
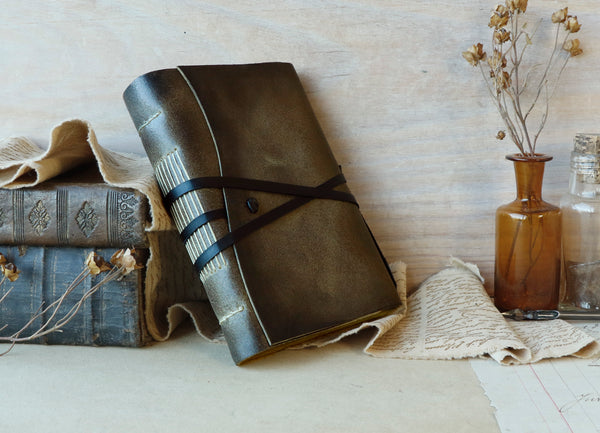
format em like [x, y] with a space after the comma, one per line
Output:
[406, 116]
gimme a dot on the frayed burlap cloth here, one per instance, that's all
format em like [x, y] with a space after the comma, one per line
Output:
[450, 316]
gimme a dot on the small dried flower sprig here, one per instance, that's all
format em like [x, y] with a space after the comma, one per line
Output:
[507, 83]
[126, 261]
[123, 262]
[9, 272]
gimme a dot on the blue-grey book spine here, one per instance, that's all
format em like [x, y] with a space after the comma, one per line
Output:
[113, 316]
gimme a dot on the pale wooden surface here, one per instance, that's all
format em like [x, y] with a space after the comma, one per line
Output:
[188, 385]
[406, 116]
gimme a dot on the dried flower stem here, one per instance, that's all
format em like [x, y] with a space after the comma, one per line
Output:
[4, 296]
[502, 73]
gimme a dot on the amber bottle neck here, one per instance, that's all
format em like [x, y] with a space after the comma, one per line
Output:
[529, 176]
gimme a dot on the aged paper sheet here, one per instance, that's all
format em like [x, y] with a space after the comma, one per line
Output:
[554, 396]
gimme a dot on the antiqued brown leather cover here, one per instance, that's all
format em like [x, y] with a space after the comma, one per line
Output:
[313, 270]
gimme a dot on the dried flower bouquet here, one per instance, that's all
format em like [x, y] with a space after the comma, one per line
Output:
[516, 91]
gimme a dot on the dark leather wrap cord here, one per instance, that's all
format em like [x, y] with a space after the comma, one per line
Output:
[201, 220]
[258, 185]
[303, 195]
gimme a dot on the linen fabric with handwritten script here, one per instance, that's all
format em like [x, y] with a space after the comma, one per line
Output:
[451, 316]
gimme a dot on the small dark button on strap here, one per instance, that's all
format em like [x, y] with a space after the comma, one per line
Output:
[252, 204]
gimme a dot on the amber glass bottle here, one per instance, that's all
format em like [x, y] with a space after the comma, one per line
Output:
[528, 243]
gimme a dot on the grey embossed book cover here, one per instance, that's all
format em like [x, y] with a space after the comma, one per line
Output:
[75, 209]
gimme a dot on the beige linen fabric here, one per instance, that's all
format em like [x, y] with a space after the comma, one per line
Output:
[451, 316]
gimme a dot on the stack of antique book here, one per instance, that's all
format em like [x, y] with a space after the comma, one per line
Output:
[47, 231]
[75, 198]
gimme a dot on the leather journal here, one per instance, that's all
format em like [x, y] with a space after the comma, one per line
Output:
[262, 206]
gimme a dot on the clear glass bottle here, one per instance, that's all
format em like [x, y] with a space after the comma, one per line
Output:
[581, 227]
